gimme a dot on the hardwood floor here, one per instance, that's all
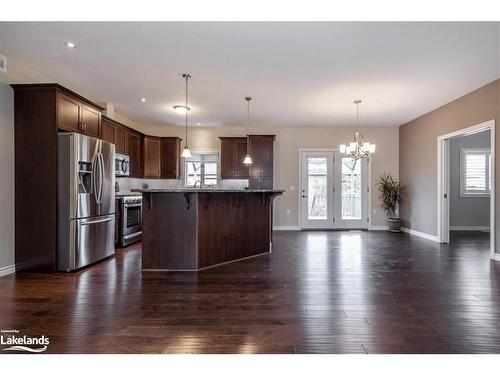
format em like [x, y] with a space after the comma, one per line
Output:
[319, 292]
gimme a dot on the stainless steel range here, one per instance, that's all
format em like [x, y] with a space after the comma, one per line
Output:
[131, 223]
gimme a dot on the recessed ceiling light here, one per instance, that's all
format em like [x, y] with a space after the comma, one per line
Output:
[70, 45]
[181, 109]
[143, 100]
[198, 124]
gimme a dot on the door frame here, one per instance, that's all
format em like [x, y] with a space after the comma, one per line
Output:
[299, 188]
[443, 165]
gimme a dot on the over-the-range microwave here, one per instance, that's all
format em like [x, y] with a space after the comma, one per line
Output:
[122, 165]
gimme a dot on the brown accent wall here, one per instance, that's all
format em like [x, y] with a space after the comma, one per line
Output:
[418, 152]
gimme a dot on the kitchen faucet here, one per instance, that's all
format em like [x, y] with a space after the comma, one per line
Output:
[197, 182]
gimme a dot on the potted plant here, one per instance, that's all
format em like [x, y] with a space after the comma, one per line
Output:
[390, 192]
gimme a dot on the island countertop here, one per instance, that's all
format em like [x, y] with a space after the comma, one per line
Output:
[207, 190]
[191, 229]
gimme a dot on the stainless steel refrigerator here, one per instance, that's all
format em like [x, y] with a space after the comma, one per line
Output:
[86, 201]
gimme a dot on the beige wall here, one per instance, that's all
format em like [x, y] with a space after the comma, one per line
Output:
[6, 177]
[418, 152]
[288, 142]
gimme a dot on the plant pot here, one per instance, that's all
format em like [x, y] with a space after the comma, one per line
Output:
[395, 224]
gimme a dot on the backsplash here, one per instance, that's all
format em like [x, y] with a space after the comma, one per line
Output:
[127, 184]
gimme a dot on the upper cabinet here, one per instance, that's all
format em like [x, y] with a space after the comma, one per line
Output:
[75, 114]
[233, 151]
[262, 154]
[152, 157]
[120, 138]
[134, 143]
[107, 131]
[114, 132]
[171, 158]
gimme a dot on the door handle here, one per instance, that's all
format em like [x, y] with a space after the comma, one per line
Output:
[304, 196]
[90, 222]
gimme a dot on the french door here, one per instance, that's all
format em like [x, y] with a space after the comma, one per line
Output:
[351, 192]
[317, 190]
[333, 191]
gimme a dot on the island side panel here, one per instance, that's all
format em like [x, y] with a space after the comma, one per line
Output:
[232, 226]
[169, 231]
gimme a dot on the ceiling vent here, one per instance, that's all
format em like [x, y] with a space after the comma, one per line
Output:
[3, 64]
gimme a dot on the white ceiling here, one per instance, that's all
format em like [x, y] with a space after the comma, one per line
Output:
[299, 73]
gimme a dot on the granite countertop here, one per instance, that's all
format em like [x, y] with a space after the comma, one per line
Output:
[207, 190]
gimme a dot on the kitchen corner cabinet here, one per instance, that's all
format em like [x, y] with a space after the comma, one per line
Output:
[261, 171]
[171, 158]
[233, 151]
[152, 157]
[74, 115]
[134, 143]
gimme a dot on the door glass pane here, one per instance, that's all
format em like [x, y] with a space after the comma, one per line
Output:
[317, 203]
[351, 189]
[193, 173]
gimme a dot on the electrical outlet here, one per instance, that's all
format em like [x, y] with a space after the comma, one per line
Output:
[292, 188]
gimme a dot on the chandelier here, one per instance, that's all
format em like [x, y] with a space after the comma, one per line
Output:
[359, 148]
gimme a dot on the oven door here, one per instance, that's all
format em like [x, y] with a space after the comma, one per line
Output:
[132, 218]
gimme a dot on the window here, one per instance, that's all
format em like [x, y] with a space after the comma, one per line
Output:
[203, 168]
[475, 172]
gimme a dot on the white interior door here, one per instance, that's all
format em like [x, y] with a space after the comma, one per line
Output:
[351, 192]
[316, 190]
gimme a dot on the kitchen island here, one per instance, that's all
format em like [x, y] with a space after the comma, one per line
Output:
[193, 229]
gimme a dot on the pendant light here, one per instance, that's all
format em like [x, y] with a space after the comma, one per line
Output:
[185, 153]
[357, 149]
[248, 160]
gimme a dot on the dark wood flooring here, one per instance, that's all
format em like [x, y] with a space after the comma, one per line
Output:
[319, 292]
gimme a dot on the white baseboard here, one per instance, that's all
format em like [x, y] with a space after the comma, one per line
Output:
[290, 227]
[7, 270]
[379, 227]
[420, 234]
[470, 227]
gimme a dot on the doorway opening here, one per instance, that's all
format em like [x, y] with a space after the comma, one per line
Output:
[466, 186]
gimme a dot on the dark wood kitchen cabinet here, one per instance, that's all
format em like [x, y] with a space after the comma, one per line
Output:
[121, 140]
[40, 110]
[74, 115]
[152, 157]
[233, 151]
[171, 158]
[134, 144]
[114, 132]
[261, 171]
[107, 131]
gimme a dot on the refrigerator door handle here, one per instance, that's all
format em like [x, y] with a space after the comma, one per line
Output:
[90, 222]
[95, 168]
[101, 176]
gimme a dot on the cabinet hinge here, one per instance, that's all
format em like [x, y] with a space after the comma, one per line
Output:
[367, 189]
[367, 219]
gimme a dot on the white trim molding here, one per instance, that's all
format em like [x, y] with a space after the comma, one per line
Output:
[7, 270]
[443, 225]
[378, 227]
[420, 234]
[287, 227]
[481, 228]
